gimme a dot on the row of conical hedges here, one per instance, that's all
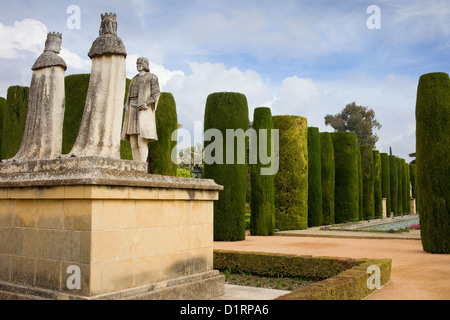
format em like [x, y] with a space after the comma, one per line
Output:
[13, 114]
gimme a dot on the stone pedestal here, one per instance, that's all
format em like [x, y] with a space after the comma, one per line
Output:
[129, 234]
[413, 206]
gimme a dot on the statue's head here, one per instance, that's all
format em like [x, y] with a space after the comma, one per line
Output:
[53, 42]
[109, 24]
[144, 62]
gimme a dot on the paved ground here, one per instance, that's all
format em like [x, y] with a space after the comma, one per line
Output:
[416, 275]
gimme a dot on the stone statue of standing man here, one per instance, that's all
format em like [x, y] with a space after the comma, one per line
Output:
[139, 126]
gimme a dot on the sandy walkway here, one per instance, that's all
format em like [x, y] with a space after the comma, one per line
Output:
[416, 275]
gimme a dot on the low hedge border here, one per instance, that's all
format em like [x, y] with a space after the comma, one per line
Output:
[338, 278]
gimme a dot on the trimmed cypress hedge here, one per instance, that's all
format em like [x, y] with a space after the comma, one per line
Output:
[368, 182]
[228, 110]
[15, 117]
[262, 219]
[76, 87]
[2, 113]
[378, 197]
[393, 176]
[407, 188]
[432, 161]
[160, 152]
[360, 189]
[291, 182]
[400, 186]
[386, 182]
[328, 177]
[346, 151]
[314, 178]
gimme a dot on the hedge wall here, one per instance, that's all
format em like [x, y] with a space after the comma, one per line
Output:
[228, 110]
[291, 182]
[407, 188]
[160, 152]
[378, 197]
[386, 181]
[393, 176]
[401, 192]
[432, 161]
[328, 177]
[2, 113]
[360, 189]
[262, 219]
[368, 182]
[314, 178]
[346, 151]
[15, 117]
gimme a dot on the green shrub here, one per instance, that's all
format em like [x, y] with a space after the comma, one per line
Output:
[2, 113]
[262, 221]
[328, 177]
[378, 197]
[393, 176]
[183, 173]
[368, 182]
[15, 117]
[160, 152]
[314, 178]
[346, 151]
[432, 161]
[224, 111]
[386, 181]
[291, 182]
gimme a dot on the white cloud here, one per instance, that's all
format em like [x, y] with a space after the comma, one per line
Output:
[75, 64]
[25, 36]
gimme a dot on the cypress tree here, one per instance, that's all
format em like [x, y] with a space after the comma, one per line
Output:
[262, 219]
[360, 189]
[393, 175]
[328, 177]
[368, 182]
[314, 178]
[378, 197]
[432, 161]
[160, 152]
[227, 111]
[400, 186]
[2, 112]
[291, 182]
[346, 151]
[407, 187]
[15, 117]
[386, 182]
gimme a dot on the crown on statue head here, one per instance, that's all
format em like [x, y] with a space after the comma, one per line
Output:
[54, 35]
[110, 15]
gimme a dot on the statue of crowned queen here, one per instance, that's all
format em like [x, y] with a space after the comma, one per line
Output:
[101, 127]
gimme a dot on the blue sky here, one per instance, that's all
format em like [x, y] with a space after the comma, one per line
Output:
[306, 58]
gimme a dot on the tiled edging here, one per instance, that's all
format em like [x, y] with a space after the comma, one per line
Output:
[349, 283]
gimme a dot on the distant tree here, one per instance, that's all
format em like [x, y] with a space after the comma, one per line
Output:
[358, 119]
[412, 155]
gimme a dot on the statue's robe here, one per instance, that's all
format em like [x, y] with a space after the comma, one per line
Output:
[100, 129]
[144, 90]
[42, 138]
